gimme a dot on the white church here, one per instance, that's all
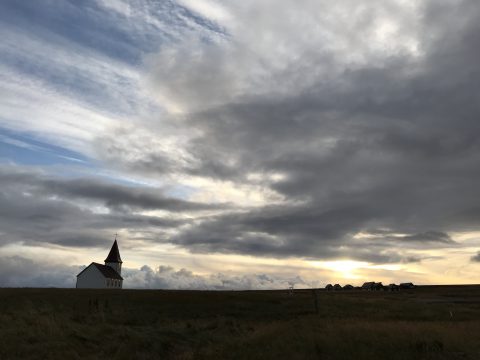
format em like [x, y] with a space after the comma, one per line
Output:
[98, 276]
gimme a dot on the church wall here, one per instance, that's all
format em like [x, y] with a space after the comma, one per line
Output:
[91, 278]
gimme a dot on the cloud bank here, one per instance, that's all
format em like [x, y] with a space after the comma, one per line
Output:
[166, 277]
[312, 130]
[365, 123]
[18, 271]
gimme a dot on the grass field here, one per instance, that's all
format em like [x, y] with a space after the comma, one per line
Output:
[437, 322]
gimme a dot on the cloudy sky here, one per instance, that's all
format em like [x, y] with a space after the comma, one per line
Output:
[240, 144]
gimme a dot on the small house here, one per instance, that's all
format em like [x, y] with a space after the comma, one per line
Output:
[378, 286]
[372, 286]
[393, 287]
[368, 285]
[408, 285]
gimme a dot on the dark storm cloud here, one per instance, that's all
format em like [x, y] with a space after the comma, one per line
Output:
[119, 196]
[429, 236]
[391, 144]
[300, 232]
[35, 208]
[109, 194]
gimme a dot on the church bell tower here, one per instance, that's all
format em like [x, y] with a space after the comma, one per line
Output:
[113, 259]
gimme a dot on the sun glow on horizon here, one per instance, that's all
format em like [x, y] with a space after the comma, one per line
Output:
[351, 269]
[345, 268]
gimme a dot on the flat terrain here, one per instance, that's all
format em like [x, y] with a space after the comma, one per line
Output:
[437, 322]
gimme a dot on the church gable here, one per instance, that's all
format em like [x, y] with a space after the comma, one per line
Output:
[91, 278]
[87, 270]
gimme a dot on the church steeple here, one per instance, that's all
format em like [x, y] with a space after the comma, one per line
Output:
[114, 254]
[113, 259]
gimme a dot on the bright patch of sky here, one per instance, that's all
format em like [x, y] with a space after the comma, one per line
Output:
[26, 150]
[71, 71]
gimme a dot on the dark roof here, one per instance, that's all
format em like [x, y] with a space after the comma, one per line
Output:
[108, 272]
[114, 254]
[105, 270]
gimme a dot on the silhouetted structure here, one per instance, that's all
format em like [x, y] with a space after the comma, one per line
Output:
[408, 285]
[393, 287]
[368, 285]
[98, 276]
[372, 286]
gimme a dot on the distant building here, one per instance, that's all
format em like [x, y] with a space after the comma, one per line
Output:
[368, 285]
[393, 287]
[372, 286]
[98, 276]
[408, 285]
[329, 287]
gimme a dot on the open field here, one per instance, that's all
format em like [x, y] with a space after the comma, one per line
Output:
[437, 322]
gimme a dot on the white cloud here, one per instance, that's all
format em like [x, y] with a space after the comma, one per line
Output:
[275, 50]
[31, 106]
[166, 277]
[209, 9]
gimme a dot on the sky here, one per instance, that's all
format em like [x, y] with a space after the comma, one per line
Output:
[240, 144]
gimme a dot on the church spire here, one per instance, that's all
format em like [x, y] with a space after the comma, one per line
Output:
[114, 254]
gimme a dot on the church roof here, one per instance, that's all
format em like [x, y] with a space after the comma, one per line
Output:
[105, 270]
[114, 254]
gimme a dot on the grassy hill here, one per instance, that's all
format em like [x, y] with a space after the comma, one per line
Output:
[436, 322]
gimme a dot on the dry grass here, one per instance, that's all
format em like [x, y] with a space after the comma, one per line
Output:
[425, 323]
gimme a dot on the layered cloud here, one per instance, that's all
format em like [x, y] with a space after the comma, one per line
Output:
[166, 277]
[78, 212]
[365, 122]
[312, 130]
